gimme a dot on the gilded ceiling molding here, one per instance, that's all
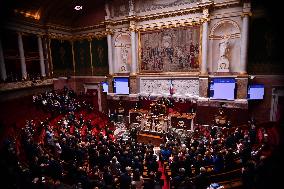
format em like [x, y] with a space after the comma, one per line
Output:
[59, 36]
[226, 4]
[169, 24]
[201, 7]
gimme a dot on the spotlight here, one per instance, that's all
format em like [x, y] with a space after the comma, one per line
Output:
[78, 7]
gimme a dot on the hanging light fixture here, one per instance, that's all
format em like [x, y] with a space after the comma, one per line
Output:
[78, 7]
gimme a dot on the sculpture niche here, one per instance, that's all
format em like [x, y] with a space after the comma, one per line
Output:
[223, 62]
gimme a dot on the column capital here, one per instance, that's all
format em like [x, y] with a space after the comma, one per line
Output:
[20, 33]
[246, 14]
[132, 26]
[246, 9]
[40, 35]
[205, 15]
[133, 75]
[109, 31]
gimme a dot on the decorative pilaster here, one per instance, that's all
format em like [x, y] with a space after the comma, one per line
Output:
[109, 47]
[46, 56]
[107, 17]
[50, 56]
[73, 58]
[203, 87]
[244, 39]
[91, 55]
[204, 41]
[22, 56]
[110, 83]
[133, 84]
[41, 58]
[2, 64]
[133, 49]
[242, 85]
[131, 8]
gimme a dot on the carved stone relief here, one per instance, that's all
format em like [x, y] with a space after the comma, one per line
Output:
[133, 84]
[122, 53]
[242, 85]
[162, 86]
[203, 87]
[149, 5]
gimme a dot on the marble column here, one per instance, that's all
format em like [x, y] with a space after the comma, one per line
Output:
[244, 44]
[41, 58]
[22, 56]
[46, 55]
[2, 64]
[133, 53]
[110, 61]
[204, 47]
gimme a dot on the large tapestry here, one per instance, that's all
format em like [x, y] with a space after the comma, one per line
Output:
[100, 56]
[61, 52]
[82, 58]
[170, 50]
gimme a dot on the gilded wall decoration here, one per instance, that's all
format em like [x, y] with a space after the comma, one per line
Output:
[170, 50]
[149, 5]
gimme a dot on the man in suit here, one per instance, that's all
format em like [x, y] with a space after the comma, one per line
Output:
[125, 179]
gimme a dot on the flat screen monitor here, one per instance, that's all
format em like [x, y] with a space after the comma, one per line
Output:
[105, 87]
[121, 85]
[222, 88]
[256, 92]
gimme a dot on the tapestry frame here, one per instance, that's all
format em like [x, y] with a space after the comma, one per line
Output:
[193, 71]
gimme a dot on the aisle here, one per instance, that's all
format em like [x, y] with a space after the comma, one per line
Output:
[166, 184]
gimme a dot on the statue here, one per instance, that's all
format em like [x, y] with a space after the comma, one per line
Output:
[223, 62]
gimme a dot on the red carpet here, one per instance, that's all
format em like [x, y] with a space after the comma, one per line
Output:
[166, 182]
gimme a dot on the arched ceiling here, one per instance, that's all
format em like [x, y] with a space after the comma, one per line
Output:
[59, 12]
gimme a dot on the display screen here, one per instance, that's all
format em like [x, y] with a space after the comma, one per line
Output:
[222, 88]
[256, 92]
[121, 85]
[105, 87]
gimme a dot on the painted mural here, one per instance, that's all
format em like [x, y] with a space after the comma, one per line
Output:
[170, 50]
[82, 58]
[100, 56]
[61, 52]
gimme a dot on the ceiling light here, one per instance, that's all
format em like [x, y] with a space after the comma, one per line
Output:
[78, 7]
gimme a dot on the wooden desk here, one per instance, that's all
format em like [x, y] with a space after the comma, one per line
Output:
[146, 138]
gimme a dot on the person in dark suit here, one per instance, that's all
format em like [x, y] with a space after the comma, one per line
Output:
[125, 179]
[202, 180]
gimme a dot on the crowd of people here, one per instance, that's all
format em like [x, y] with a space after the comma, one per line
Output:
[76, 148]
